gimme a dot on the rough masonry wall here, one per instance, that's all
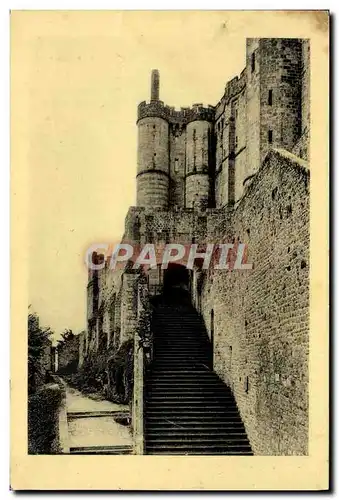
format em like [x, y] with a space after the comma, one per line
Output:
[153, 162]
[272, 107]
[198, 158]
[152, 190]
[280, 73]
[240, 120]
[222, 151]
[128, 307]
[177, 165]
[230, 135]
[153, 144]
[305, 98]
[253, 106]
[301, 148]
[261, 316]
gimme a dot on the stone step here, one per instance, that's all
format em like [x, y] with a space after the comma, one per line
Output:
[170, 386]
[198, 447]
[200, 372]
[199, 452]
[187, 434]
[189, 381]
[208, 440]
[172, 353]
[185, 427]
[91, 414]
[197, 418]
[194, 402]
[166, 361]
[187, 397]
[101, 450]
[190, 412]
[163, 384]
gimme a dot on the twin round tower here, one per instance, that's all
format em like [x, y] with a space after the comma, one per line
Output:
[174, 153]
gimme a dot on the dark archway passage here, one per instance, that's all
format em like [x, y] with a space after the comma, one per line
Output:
[177, 284]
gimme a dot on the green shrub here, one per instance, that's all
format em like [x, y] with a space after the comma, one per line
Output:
[38, 337]
[108, 373]
[120, 374]
[43, 420]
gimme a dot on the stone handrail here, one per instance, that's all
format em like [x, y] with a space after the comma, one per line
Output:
[142, 357]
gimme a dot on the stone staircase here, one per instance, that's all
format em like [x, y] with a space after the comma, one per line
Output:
[188, 409]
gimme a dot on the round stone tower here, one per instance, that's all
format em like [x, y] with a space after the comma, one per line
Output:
[198, 157]
[153, 151]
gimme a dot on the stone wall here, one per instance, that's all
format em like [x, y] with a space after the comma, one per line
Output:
[153, 162]
[240, 120]
[129, 306]
[253, 106]
[280, 73]
[269, 106]
[261, 316]
[177, 165]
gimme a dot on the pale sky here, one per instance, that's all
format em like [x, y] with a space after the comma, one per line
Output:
[86, 74]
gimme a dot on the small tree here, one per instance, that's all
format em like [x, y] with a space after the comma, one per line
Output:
[67, 336]
[38, 338]
[68, 352]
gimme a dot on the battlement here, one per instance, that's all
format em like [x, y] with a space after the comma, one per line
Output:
[169, 113]
[232, 89]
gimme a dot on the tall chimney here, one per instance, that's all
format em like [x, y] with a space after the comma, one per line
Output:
[155, 81]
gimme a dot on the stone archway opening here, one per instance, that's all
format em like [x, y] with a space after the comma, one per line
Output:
[177, 284]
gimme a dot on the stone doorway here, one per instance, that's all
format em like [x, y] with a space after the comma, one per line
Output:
[177, 284]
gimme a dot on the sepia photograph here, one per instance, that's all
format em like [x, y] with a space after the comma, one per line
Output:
[168, 227]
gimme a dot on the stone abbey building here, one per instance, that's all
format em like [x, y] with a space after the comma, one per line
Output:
[237, 172]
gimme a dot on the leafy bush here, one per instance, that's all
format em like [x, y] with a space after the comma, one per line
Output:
[43, 420]
[108, 373]
[38, 338]
[120, 374]
[71, 367]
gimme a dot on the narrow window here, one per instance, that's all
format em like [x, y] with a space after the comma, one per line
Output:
[253, 62]
[270, 97]
[176, 165]
[222, 124]
[236, 141]
[270, 136]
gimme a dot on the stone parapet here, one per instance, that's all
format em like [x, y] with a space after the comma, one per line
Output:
[169, 113]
